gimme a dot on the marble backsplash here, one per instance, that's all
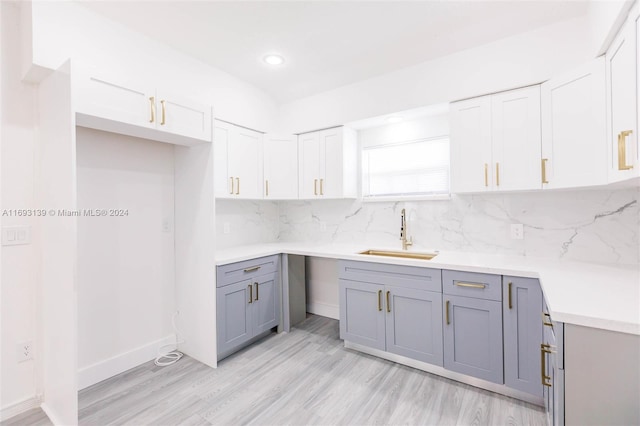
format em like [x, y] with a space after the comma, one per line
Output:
[588, 225]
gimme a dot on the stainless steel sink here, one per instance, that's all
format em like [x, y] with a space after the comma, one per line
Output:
[400, 254]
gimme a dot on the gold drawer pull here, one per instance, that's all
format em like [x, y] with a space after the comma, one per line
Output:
[237, 186]
[497, 174]
[231, 179]
[164, 113]
[472, 285]
[622, 150]
[380, 300]
[256, 284]
[486, 174]
[266, 182]
[544, 349]
[446, 311]
[321, 190]
[250, 293]
[510, 305]
[388, 302]
[315, 187]
[254, 268]
[543, 165]
[544, 320]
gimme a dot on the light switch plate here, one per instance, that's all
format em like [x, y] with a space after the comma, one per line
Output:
[16, 235]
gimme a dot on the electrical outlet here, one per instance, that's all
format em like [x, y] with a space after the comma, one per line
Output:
[16, 235]
[226, 228]
[517, 231]
[166, 226]
[24, 351]
[323, 226]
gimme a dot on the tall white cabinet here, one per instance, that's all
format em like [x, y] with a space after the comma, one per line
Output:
[328, 163]
[495, 142]
[238, 161]
[574, 133]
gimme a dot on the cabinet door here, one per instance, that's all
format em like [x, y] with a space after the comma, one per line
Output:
[118, 99]
[183, 117]
[516, 139]
[331, 163]
[221, 140]
[471, 169]
[309, 164]
[473, 337]
[361, 313]
[522, 307]
[234, 315]
[266, 303]
[574, 133]
[622, 111]
[245, 163]
[281, 167]
[414, 324]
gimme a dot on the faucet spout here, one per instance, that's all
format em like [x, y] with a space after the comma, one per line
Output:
[403, 231]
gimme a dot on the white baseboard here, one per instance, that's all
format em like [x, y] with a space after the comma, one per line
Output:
[51, 414]
[20, 407]
[324, 309]
[102, 370]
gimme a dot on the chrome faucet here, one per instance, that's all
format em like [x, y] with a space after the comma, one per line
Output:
[403, 231]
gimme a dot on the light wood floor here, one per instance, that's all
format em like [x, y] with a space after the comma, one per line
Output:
[304, 377]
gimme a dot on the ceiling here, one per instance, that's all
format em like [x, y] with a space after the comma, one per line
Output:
[328, 44]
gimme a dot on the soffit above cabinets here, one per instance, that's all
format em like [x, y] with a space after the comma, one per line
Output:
[328, 44]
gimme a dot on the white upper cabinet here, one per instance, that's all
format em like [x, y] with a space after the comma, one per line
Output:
[574, 134]
[238, 161]
[125, 106]
[280, 167]
[328, 163]
[622, 112]
[495, 142]
[470, 139]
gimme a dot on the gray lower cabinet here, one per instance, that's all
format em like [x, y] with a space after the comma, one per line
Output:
[248, 303]
[522, 308]
[401, 319]
[551, 375]
[473, 324]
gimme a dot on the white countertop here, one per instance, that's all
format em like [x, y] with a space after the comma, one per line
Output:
[591, 295]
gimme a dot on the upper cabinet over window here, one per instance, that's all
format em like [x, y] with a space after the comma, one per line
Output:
[328, 163]
[139, 109]
[495, 142]
[238, 161]
[622, 112]
[574, 134]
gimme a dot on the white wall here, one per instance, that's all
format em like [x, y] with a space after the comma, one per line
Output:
[18, 290]
[67, 29]
[126, 265]
[512, 62]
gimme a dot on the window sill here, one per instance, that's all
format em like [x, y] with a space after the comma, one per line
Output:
[439, 197]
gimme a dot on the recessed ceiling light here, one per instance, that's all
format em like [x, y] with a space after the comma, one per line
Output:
[274, 59]
[394, 119]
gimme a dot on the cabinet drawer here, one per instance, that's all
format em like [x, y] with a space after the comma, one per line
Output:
[472, 284]
[234, 272]
[396, 275]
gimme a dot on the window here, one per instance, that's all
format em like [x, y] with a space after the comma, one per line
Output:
[413, 169]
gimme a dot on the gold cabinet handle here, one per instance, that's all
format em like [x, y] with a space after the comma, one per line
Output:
[152, 101]
[237, 186]
[380, 300]
[497, 174]
[388, 302]
[163, 120]
[255, 268]
[544, 349]
[472, 285]
[622, 150]
[231, 179]
[486, 174]
[315, 187]
[257, 287]
[250, 293]
[266, 183]
[546, 316]
[321, 191]
[543, 165]
[446, 311]
[510, 285]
